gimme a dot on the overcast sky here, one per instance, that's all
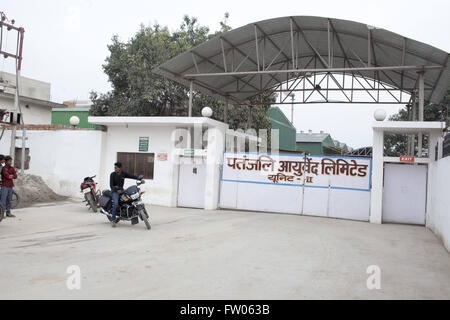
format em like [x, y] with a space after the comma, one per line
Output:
[65, 41]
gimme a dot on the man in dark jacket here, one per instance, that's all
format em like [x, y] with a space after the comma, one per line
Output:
[116, 181]
[8, 174]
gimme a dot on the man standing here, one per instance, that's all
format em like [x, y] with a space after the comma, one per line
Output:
[116, 181]
[8, 175]
[2, 164]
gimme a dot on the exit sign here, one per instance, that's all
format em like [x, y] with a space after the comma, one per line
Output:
[407, 159]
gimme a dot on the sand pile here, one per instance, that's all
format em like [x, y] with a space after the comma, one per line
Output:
[32, 189]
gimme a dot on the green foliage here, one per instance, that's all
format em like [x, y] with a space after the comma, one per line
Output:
[395, 144]
[136, 91]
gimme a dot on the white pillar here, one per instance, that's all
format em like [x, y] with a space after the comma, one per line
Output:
[216, 145]
[421, 110]
[376, 199]
[433, 141]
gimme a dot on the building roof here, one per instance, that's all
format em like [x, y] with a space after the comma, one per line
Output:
[311, 137]
[409, 126]
[75, 109]
[39, 102]
[275, 114]
[156, 121]
[226, 66]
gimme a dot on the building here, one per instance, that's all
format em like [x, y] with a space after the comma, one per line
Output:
[285, 127]
[35, 101]
[74, 108]
[317, 144]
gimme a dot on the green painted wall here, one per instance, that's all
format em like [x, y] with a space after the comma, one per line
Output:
[285, 127]
[63, 115]
[313, 148]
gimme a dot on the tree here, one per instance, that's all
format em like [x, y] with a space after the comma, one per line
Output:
[136, 91]
[395, 144]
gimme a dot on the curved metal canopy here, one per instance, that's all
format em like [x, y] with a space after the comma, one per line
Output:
[310, 54]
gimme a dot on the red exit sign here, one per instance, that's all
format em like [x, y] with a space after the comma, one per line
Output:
[407, 159]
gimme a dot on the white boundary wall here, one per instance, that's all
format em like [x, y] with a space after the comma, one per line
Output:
[326, 186]
[61, 157]
[438, 219]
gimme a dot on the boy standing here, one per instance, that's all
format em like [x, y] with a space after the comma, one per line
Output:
[8, 175]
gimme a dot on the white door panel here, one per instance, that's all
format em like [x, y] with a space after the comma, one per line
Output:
[404, 193]
[191, 183]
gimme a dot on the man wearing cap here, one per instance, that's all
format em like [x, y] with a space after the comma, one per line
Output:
[116, 182]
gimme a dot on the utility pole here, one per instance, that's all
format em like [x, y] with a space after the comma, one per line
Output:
[18, 66]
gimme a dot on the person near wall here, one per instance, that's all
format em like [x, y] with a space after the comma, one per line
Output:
[8, 175]
[2, 164]
[116, 182]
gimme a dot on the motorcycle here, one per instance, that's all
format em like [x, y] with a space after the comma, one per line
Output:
[91, 194]
[131, 207]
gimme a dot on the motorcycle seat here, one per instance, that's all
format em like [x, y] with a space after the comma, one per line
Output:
[107, 193]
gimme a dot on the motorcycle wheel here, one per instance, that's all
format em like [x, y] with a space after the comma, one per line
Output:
[91, 202]
[144, 217]
[2, 213]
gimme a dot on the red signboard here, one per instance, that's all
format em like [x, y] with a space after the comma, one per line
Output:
[407, 159]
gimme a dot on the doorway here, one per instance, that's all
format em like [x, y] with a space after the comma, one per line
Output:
[191, 182]
[404, 193]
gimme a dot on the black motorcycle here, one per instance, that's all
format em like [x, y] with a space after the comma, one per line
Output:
[91, 194]
[131, 207]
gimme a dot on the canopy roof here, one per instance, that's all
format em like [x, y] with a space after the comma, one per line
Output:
[260, 56]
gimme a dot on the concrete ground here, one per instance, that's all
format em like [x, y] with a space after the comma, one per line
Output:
[196, 254]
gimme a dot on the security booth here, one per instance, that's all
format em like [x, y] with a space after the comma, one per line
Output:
[401, 190]
[180, 157]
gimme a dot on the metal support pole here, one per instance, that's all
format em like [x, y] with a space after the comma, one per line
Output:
[225, 112]
[249, 122]
[22, 160]
[191, 90]
[292, 45]
[257, 46]
[369, 49]
[329, 44]
[414, 118]
[421, 108]
[292, 108]
[12, 150]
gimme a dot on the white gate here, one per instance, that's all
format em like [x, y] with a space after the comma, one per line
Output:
[191, 183]
[337, 187]
[404, 193]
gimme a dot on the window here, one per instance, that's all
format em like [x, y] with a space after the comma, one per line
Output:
[137, 163]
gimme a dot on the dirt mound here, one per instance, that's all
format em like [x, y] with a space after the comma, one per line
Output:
[32, 189]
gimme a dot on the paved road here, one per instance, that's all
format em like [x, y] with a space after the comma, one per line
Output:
[196, 254]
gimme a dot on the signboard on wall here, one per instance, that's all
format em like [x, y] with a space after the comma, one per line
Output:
[337, 187]
[298, 170]
[162, 156]
[143, 144]
[407, 159]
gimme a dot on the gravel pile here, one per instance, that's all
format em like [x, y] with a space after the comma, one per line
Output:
[32, 189]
